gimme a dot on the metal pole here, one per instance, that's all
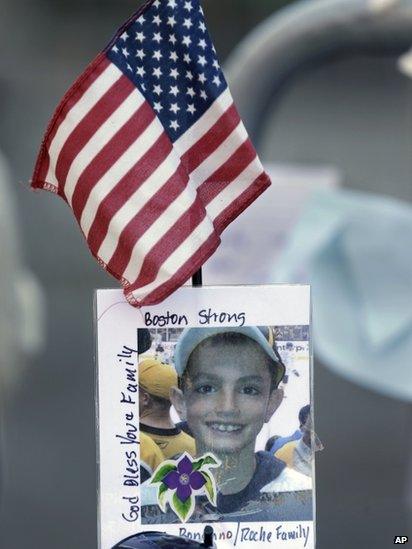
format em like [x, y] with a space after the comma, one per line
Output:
[197, 278]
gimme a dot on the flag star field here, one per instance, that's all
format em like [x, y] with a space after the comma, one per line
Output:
[169, 56]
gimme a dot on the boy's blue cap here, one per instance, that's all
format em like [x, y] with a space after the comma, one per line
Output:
[191, 337]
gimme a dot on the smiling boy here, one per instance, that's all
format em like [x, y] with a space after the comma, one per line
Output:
[228, 389]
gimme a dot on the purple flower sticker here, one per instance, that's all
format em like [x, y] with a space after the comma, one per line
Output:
[184, 480]
[179, 481]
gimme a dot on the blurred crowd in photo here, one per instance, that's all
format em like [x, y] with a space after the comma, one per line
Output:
[324, 88]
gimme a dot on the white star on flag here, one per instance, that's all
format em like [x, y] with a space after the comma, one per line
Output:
[174, 90]
[202, 60]
[157, 72]
[174, 107]
[174, 73]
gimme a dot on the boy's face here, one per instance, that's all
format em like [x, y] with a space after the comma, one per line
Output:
[227, 396]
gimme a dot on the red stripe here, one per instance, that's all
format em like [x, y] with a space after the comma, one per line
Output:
[110, 153]
[169, 242]
[146, 217]
[89, 125]
[124, 190]
[72, 96]
[192, 265]
[211, 140]
[39, 179]
[243, 201]
[227, 173]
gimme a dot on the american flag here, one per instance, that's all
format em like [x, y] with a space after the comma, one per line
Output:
[149, 151]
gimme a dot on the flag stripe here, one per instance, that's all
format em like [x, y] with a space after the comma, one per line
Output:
[71, 98]
[163, 287]
[79, 110]
[184, 230]
[243, 201]
[117, 171]
[90, 126]
[203, 125]
[180, 262]
[108, 129]
[232, 192]
[198, 246]
[220, 155]
[148, 215]
[109, 155]
[211, 140]
[159, 228]
[228, 173]
[130, 185]
[132, 207]
[41, 170]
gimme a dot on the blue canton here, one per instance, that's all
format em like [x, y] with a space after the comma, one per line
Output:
[168, 54]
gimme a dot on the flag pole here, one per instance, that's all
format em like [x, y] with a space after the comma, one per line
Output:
[197, 278]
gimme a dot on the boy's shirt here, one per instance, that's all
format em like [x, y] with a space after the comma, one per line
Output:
[267, 469]
[172, 442]
[275, 493]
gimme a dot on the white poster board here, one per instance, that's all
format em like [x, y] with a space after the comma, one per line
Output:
[228, 403]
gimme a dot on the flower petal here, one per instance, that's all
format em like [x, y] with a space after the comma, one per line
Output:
[197, 480]
[185, 466]
[183, 492]
[172, 479]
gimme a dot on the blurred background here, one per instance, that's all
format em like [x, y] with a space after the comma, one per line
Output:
[325, 90]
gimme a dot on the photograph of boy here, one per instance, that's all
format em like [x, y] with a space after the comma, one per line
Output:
[156, 381]
[228, 388]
